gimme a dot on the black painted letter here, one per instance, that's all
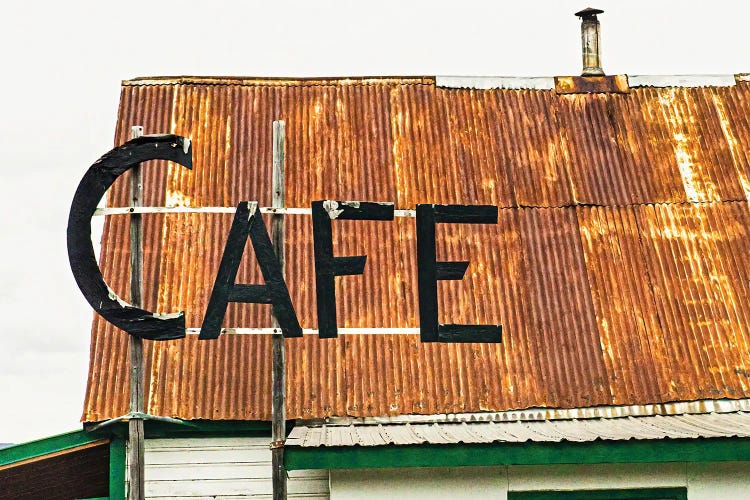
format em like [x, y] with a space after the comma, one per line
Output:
[326, 265]
[429, 271]
[98, 178]
[248, 222]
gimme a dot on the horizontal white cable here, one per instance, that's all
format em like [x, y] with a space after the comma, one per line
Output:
[311, 331]
[404, 213]
[217, 210]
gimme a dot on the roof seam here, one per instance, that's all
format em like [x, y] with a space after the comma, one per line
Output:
[626, 205]
[697, 407]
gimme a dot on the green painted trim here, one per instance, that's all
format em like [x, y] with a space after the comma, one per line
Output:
[45, 446]
[528, 453]
[157, 429]
[154, 428]
[117, 469]
[616, 494]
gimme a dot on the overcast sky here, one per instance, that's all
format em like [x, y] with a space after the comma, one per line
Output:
[62, 63]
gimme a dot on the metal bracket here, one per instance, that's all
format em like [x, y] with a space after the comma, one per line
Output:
[139, 415]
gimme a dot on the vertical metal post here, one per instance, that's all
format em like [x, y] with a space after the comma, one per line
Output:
[278, 410]
[135, 425]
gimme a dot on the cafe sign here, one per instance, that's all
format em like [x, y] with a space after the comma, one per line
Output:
[248, 224]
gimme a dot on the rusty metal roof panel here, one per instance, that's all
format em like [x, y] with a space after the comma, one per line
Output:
[697, 259]
[710, 425]
[731, 109]
[650, 146]
[612, 288]
[627, 325]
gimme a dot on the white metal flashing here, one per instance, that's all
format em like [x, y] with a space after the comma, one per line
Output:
[681, 80]
[548, 82]
[496, 82]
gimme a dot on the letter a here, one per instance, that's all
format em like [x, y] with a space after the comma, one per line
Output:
[248, 222]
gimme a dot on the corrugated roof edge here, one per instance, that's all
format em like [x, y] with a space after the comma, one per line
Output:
[457, 82]
[713, 425]
[278, 81]
[683, 80]
[548, 82]
[496, 82]
[703, 406]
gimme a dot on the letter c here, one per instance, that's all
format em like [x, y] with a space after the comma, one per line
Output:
[99, 177]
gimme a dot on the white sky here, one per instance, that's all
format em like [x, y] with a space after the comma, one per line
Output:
[62, 63]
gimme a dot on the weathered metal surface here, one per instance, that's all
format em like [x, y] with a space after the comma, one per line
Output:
[590, 42]
[617, 267]
[669, 284]
[545, 431]
[683, 80]
[592, 84]
[548, 82]
[496, 82]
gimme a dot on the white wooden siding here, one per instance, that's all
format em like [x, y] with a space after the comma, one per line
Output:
[597, 476]
[240, 468]
[442, 483]
[230, 468]
[704, 481]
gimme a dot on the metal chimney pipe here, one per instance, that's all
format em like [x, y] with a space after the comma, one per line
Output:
[590, 42]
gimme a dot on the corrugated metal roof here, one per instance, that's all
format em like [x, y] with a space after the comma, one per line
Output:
[712, 425]
[618, 269]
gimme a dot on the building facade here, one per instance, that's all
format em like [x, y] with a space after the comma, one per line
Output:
[617, 269]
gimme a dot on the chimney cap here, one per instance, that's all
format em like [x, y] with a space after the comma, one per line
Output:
[589, 12]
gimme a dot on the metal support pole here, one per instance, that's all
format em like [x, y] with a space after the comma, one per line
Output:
[278, 411]
[135, 424]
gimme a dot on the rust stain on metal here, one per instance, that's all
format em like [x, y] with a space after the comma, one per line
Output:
[617, 84]
[618, 268]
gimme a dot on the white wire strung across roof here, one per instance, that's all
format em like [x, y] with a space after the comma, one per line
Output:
[216, 210]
